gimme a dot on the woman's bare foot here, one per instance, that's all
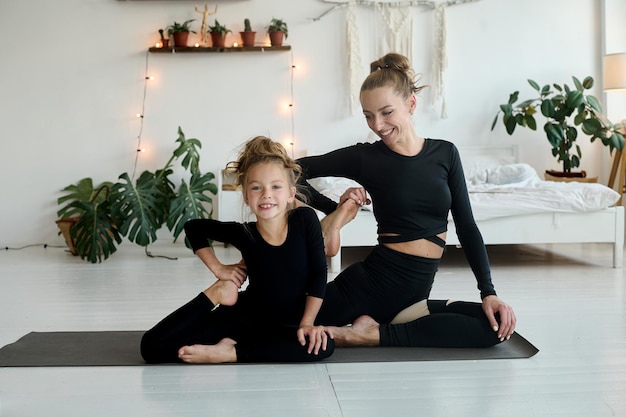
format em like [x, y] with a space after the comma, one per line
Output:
[364, 331]
[223, 292]
[221, 352]
[332, 224]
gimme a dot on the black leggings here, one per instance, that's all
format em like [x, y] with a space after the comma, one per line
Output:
[199, 322]
[459, 324]
[385, 283]
[381, 285]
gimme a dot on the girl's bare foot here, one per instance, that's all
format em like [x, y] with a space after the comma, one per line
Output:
[332, 224]
[223, 292]
[221, 352]
[362, 332]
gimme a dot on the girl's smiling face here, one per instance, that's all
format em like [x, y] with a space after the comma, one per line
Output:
[268, 190]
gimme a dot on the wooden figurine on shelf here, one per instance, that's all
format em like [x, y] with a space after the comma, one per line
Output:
[204, 36]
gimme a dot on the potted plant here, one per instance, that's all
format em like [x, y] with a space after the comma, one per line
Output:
[565, 109]
[97, 218]
[247, 36]
[218, 34]
[278, 31]
[179, 32]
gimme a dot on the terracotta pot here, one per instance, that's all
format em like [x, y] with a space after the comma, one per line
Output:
[276, 38]
[65, 226]
[217, 40]
[580, 176]
[180, 38]
[247, 38]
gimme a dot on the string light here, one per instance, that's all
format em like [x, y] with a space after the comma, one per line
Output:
[141, 116]
[290, 141]
[293, 135]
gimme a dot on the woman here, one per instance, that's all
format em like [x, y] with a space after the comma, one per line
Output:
[413, 182]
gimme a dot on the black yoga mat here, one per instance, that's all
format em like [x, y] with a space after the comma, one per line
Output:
[121, 348]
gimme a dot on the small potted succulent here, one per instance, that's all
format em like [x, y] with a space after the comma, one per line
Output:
[180, 32]
[278, 31]
[247, 36]
[218, 34]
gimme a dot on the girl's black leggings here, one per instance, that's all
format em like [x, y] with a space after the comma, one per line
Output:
[199, 322]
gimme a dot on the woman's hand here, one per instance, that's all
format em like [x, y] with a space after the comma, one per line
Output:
[492, 305]
[237, 273]
[358, 194]
[317, 337]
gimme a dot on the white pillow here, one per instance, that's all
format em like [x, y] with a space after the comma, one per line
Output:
[503, 174]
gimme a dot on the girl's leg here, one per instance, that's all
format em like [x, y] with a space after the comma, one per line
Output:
[279, 346]
[193, 323]
[221, 352]
[457, 324]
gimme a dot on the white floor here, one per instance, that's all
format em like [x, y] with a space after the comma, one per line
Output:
[569, 301]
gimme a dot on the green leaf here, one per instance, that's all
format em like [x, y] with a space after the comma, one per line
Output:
[94, 234]
[138, 209]
[507, 109]
[547, 108]
[493, 124]
[530, 122]
[189, 148]
[82, 191]
[574, 99]
[190, 202]
[509, 123]
[588, 82]
[533, 84]
[554, 134]
[591, 126]
[594, 103]
[513, 97]
[577, 83]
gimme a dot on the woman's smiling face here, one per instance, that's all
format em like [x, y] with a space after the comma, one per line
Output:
[387, 113]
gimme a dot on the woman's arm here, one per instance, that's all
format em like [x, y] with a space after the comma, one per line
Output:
[343, 163]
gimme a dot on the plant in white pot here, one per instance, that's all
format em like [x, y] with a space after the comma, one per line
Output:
[565, 110]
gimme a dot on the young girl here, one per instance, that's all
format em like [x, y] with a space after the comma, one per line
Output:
[272, 320]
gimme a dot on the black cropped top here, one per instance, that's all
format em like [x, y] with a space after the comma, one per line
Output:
[411, 195]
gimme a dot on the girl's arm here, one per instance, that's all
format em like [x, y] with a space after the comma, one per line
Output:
[236, 273]
[316, 334]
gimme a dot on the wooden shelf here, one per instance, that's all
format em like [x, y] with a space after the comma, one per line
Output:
[205, 49]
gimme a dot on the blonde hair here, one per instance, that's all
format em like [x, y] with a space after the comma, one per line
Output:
[263, 150]
[393, 70]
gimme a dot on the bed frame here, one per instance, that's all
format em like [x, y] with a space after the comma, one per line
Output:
[603, 226]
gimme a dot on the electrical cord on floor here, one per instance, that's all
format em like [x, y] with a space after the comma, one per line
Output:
[149, 254]
[44, 245]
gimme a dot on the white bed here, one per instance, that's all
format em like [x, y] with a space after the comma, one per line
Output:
[512, 206]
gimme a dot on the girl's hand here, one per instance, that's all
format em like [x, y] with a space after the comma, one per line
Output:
[358, 194]
[317, 337]
[237, 273]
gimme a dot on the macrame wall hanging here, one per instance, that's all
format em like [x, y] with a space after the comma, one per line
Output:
[397, 36]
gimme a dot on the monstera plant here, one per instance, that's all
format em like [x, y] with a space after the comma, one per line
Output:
[565, 110]
[100, 216]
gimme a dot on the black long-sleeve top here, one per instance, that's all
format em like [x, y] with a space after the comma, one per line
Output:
[279, 277]
[411, 195]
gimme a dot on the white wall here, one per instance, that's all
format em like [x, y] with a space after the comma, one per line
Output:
[72, 83]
